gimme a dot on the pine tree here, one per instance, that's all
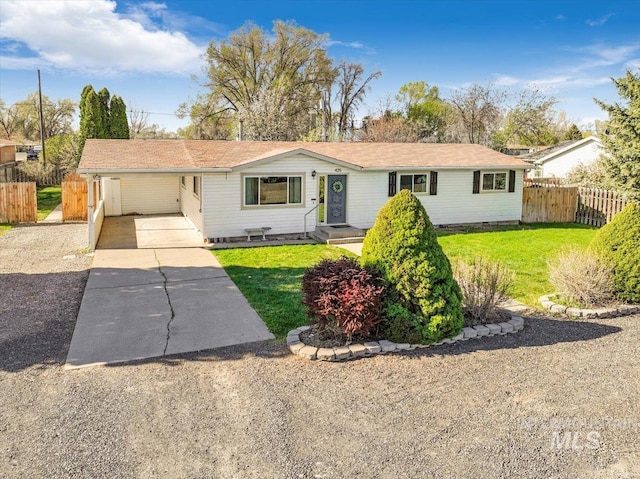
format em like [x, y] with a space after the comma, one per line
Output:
[621, 139]
[119, 123]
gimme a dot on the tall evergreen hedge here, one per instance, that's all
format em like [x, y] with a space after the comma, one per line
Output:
[617, 244]
[402, 244]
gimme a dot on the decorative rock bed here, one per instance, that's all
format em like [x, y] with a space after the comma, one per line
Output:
[372, 348]
[609, 312]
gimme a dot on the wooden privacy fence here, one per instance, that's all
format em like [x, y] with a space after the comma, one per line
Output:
[597, 207]
[74, 200]
[549, 205]
[18, 203]
[570, 204]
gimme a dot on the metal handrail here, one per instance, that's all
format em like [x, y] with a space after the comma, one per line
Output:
[305, 219]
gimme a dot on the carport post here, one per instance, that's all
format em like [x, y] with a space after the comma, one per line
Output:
[90, 200]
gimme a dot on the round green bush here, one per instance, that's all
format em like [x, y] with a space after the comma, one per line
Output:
[617, 244]
[402, 244]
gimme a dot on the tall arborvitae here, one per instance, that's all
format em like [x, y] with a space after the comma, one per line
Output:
[101, 116]
[104, 125]
[88, 116]
[119, 122]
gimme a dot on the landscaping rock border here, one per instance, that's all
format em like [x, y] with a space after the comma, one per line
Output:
[372, 348]
[610, 312]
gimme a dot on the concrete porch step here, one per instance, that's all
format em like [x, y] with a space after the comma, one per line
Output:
[355, 239]
[337, 232]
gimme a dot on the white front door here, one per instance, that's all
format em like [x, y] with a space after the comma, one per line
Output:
[112, 197]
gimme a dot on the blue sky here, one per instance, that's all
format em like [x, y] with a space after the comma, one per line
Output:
[148, 51]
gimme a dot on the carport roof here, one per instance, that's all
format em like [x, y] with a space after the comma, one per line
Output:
[202, 155]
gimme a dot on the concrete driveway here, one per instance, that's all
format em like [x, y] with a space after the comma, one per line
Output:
[148, 231]
[144, 303]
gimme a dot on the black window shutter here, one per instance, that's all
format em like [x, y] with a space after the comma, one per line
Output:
[392, 183]
[476, 182]
[433, 185]
[512, 181]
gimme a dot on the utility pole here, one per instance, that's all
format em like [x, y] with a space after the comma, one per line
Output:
[44, 155]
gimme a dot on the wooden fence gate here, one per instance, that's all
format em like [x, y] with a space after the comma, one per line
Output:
[549, 205]
[18, 203]
[74, 200]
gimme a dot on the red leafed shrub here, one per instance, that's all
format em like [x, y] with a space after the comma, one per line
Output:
[343, 296]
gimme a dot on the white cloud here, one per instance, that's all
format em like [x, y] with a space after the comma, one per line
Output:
[89, 35]
[600, 21]
[631, 64]
[331, 43]
[506, 80]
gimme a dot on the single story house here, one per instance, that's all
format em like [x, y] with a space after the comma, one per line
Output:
[227, 187]
[558, 160]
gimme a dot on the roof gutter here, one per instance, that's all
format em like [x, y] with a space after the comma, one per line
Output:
[89, 171]
[436, 167]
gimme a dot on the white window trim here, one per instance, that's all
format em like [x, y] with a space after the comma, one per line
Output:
[412, 174]
[183, 181]
[264, 175]
[497, 172]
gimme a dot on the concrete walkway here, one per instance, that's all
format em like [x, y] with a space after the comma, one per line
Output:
[55, 216]
[145, 303]
[355, 248]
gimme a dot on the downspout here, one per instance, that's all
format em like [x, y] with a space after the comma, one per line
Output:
[205, 237]
[91, 207]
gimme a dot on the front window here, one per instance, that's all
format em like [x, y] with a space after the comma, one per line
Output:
[414, 183]
[494, 181]
[272, 190]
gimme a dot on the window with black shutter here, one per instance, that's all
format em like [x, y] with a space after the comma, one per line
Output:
[512, 181]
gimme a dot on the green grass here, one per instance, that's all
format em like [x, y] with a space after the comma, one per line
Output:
[48, 198]
[4, 227]
[270, 277]
[525, 249]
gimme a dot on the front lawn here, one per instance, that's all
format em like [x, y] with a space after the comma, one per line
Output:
[270, 277]
[48, 198]
[525, 249]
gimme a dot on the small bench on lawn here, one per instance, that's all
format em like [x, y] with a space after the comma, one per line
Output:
[261, 230]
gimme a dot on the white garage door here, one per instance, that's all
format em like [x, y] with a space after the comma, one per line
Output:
[149, 195]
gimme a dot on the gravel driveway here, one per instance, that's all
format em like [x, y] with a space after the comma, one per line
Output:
[501, 407]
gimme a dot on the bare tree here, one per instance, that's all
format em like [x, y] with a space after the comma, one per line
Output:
[138, 122]
[479, 112]
[352, 88]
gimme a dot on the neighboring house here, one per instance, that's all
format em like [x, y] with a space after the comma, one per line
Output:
[226, 187]
[558, 160]
[7, 160]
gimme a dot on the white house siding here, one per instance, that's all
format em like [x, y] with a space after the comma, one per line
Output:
[455, 202]
[367, 192]
[224, 216]
[148, 195]
[561, 165]
[190, 204]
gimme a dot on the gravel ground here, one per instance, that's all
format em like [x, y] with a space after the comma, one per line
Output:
[492, 408]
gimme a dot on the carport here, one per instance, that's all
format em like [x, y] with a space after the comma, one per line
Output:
[148, 231]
